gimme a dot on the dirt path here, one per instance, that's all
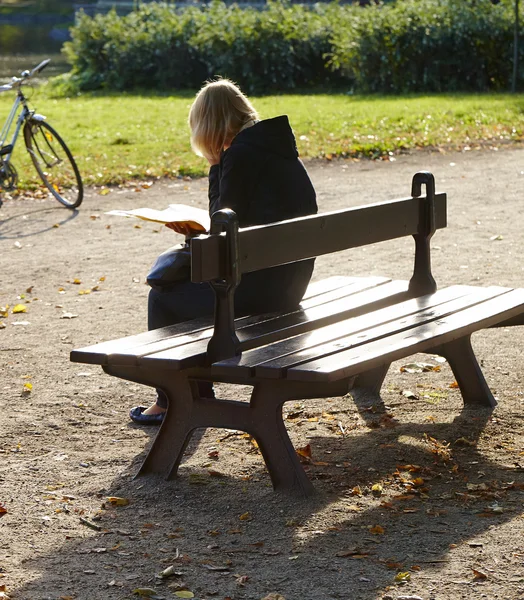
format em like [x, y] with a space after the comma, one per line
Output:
[448, 521]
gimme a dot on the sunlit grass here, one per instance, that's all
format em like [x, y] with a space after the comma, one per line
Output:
[121, 137]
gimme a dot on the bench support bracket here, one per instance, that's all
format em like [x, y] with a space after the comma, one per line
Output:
[422, 281]
[471, 381]
[261, 418]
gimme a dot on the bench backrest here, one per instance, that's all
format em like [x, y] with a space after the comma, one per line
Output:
[222, 256]
[274, 244]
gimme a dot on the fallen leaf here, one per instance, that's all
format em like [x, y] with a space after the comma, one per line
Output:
[19, 308]
[377, 489]
[387, 421]
[3, 510]
[184, 594]
[217, 568]
[402, 577]
[68, 315]
[419, 367]
[170, 572]
[462, 441]
[376, 530]
[353, 552]
[116, 501]
[214, 473]
[148, 592]
[28, 388]
[242, 580]
[305, 452]
[245, 516]
[479, 575]
[409, 394]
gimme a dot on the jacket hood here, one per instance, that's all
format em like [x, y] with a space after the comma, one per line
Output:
[273, 135]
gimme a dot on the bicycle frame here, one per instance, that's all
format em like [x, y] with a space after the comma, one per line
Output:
[25, 113]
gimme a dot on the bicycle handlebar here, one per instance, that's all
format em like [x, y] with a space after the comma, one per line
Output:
[39, 67]
[16, 82]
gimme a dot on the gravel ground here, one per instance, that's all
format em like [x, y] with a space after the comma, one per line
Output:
[444, 521]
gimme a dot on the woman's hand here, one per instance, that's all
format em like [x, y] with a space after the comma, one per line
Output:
[184, 229]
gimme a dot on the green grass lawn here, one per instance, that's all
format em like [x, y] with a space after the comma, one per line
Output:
[123, 137]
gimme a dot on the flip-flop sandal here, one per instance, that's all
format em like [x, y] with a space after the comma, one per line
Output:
[137, 415]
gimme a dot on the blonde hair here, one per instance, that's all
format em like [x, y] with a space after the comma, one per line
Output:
[219, 111]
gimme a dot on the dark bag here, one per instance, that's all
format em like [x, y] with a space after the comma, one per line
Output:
[171, 266]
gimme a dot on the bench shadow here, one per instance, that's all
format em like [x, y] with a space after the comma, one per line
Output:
[344, 542]
[34, 222]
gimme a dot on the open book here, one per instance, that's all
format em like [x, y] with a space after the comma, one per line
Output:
[196, 218]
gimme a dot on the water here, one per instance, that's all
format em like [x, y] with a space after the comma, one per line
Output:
[13, 65]
[28, 39]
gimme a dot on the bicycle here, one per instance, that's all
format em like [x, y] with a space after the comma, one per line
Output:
[51, 157]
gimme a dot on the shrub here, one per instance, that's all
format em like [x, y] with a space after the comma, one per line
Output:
[428, 45]
[398, 47]
[158, 46]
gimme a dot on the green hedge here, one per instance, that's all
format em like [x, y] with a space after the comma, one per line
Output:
[409, 45]
[428, 45]
[160, 47]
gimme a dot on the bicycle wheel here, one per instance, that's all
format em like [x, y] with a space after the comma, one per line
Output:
[54, 163]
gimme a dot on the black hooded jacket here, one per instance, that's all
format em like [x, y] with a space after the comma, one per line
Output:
[262, 179]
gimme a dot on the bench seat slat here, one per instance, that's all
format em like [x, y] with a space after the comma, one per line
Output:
[98, 354]
[420, 339]
[329, 284]
[252, 323]
[133, 344]
[272, 361]
[278, 328]
[370, 332]
[195, 342]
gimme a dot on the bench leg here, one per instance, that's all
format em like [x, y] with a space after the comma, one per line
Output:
[174, 433]
[176, 429]
[283, 464]
[262, 418]
[463, 362]
[371, 381]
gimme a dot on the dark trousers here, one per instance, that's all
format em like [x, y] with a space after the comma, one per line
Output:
[182, 302]
[279, 288]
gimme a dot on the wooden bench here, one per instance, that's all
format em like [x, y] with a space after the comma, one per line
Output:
[344, 335]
